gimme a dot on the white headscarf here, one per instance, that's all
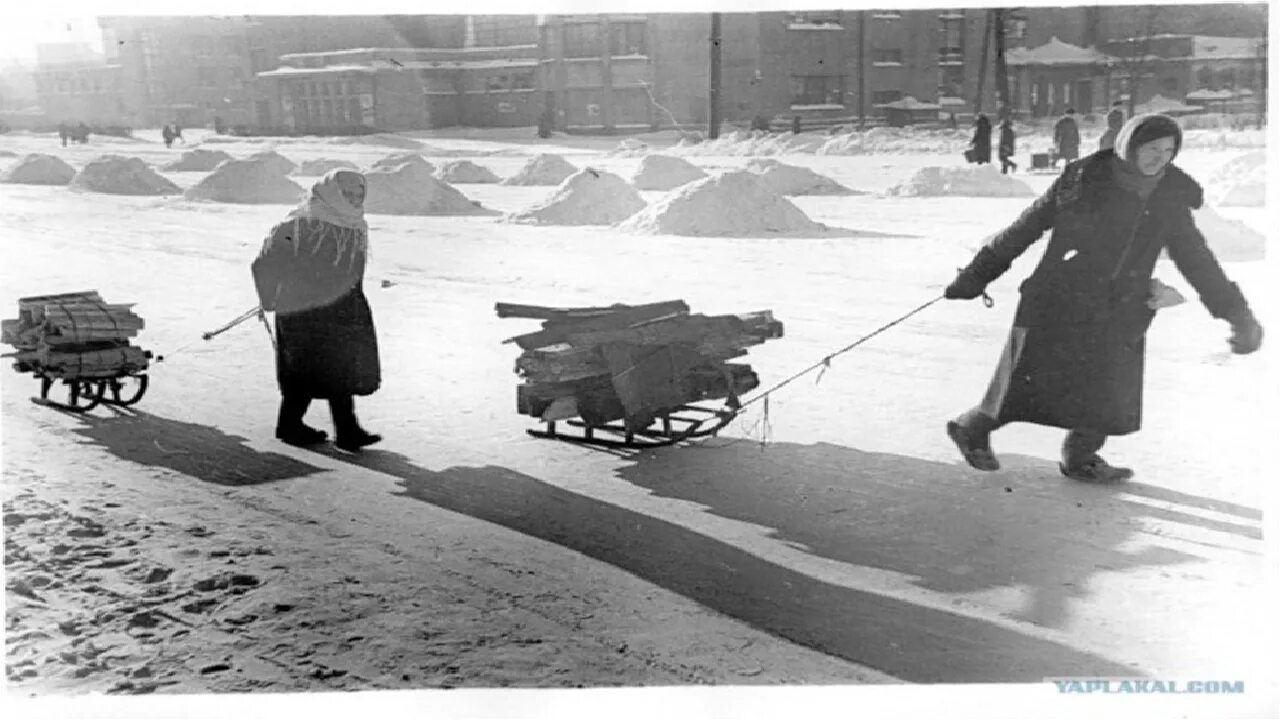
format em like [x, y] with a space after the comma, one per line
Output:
[327, 203]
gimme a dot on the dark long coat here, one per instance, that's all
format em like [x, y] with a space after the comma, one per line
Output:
[1074, 358]
[1066, 138]
[980, 144]
[326, 343]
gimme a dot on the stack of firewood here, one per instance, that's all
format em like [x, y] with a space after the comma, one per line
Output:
[74, 335]
[632, 363]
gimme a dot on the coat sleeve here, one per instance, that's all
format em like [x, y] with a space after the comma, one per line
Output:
[270, 266]
[1197, 263]
[1007, 245]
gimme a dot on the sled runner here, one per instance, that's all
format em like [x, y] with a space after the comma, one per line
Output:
[82, 342]
[634, 376]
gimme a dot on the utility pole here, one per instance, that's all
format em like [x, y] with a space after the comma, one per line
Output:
[862, 74]
[713, 93]
[982, 66]
[1002, 69]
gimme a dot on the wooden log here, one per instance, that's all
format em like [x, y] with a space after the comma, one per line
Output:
[557, 332]
[538, 312]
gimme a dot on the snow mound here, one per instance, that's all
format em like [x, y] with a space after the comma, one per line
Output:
[1230, 240]
[542, 169]
[395, 160]
[383, 139]
[411, 189]
[630, 147]
[8, 153]
[664, 172]
[465, 171]
[246, 181]
[197, 160]
[322, 166]
[39, 169]
[794, 180]
[281, 164]
[588, 197]
[120, 175]
[1243, 181]
[982, 181]
[736, 203]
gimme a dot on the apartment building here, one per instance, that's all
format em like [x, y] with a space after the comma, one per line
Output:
[74, 84]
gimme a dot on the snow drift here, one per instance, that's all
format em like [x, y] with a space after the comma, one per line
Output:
[665, 172]
[322, 166]
[793, 180]
[982, 181]
[542, 169]
[736, 203]
[393, 161]
[1243, 181]
[588, 197]
[197, 160]
[465, 171]
[39, 169]
[246, 181]
[411, 189]
[118, 175]
[281, 164]
[1230, 240]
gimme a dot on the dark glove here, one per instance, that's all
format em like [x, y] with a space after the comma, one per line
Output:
[1246, 334]
[964, 287]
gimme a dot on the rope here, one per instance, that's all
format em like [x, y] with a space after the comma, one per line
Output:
[256, 310]
[825, 362]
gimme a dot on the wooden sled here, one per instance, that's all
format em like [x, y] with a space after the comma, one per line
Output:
[85, 394]
[688, 422]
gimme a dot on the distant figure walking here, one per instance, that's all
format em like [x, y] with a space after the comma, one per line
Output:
[177, 133]
[310, 272]
[167, 134]
[64, 132]
[1066, 138]
[1006, 147]
[980, 146]
[1115, 121]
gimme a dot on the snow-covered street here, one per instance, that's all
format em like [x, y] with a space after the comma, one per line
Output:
[177, 547]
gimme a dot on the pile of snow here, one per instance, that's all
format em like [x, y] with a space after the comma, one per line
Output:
[8, 153]
[664, 172]
[736, 203]
[756, 142]
[979, 181]
[246, 181]
[120, 175]
[1230, 240]
[39, 169]
[630, 147]
[542, 170]
[465, 171]
[322, 166]
[588, 197]
[197, 160]
[280, 164]
[411, 189]
[395, 160]
[1243, 181]
[793, 180]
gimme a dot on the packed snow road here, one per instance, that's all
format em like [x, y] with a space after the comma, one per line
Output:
[178, 547]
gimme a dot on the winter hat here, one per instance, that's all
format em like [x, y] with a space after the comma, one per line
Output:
[1142, 129]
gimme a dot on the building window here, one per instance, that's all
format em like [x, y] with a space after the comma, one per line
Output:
[1204, 76]
[582, 40]
[495, 83]
[883, 97]
[950, 55]
[814, 20]
[1016, 29]
[886, 56]
[1227, 77]
[1169, 86]
[523, 80]
[951, 81]
[817, 90]
[627, 39]
[501, 31]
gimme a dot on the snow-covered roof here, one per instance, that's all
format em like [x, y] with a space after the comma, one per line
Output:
[402, 52]
[1224, 48]
[410, 65]
[909, 103]
[327, 70]
[1207, 94]
[1161, 104]
[1055, 52]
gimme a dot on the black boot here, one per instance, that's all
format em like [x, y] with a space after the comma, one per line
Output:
[349, 435]
[971, 432]
[289, 426]
[1082, 463]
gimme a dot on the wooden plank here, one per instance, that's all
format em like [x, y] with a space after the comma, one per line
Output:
[554, 333]
[539, 312]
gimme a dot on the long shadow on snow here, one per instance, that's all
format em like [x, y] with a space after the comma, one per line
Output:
[954, 530]
[200, 451]
[908, 641]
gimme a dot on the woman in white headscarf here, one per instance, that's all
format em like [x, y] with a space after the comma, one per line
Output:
[310, 273]
[1074, 358]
